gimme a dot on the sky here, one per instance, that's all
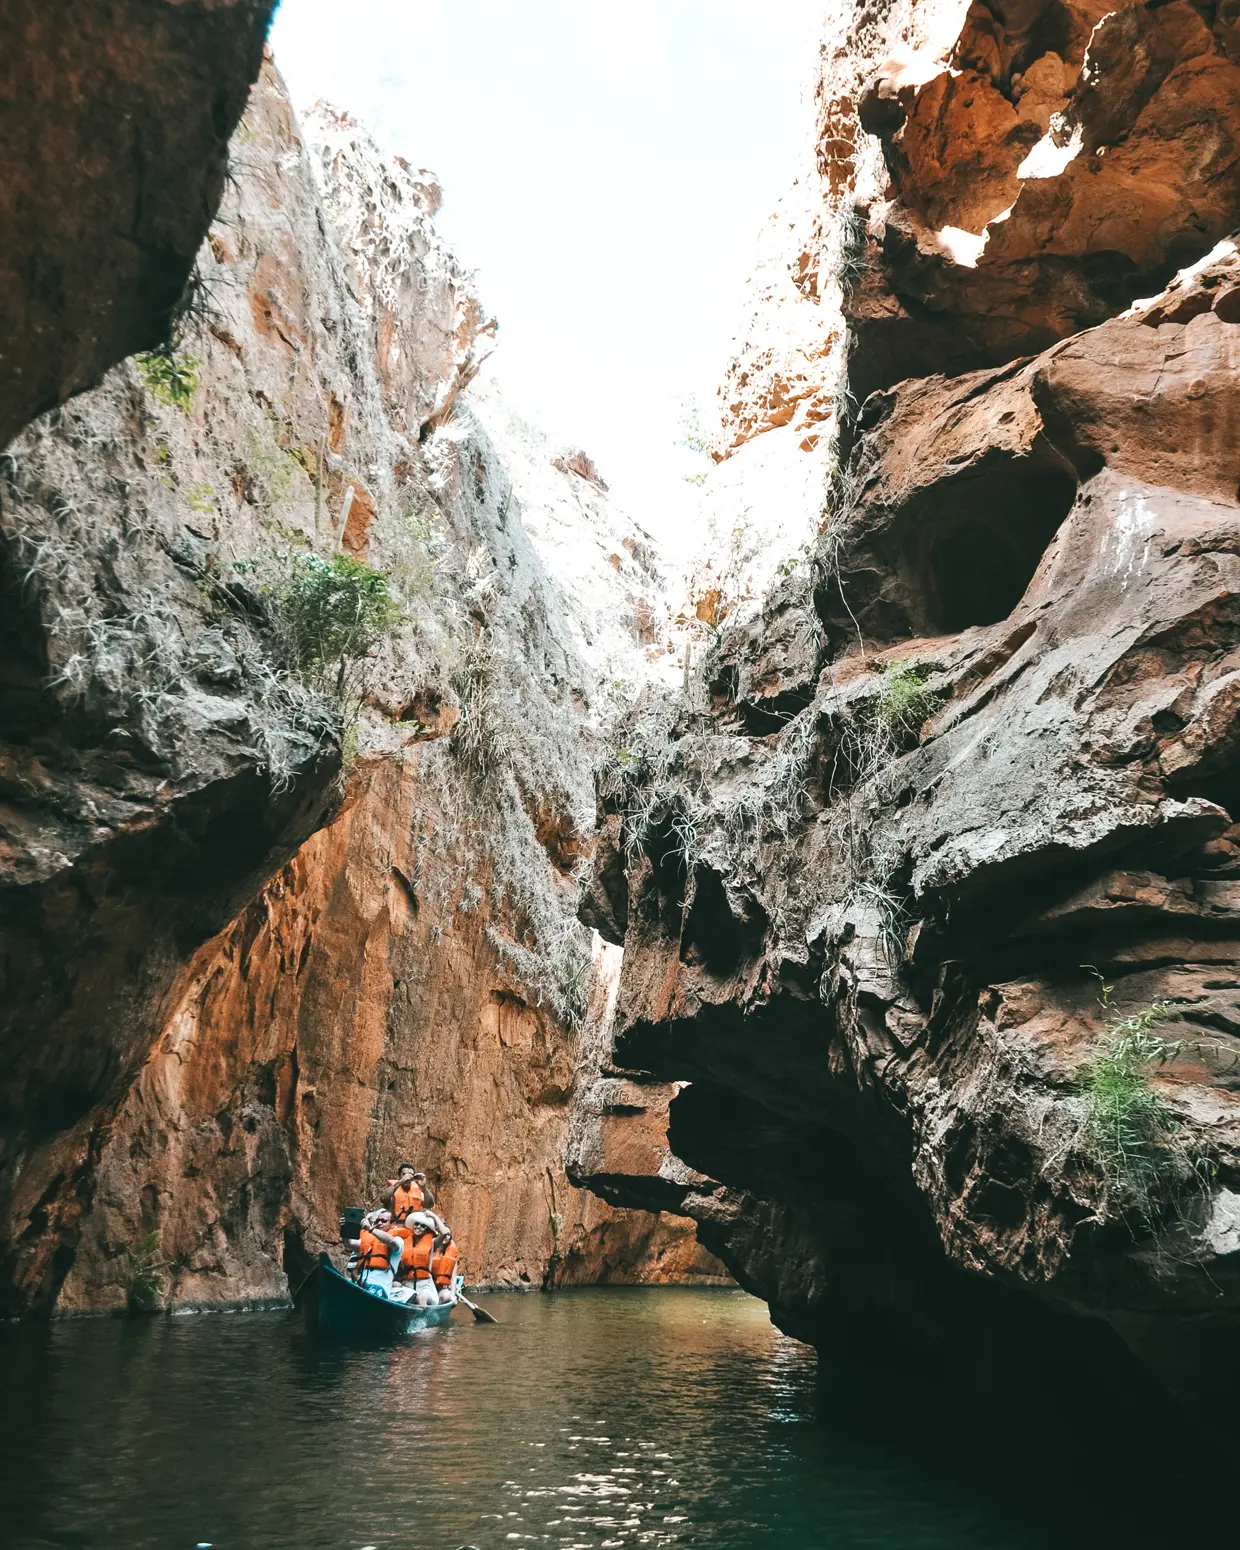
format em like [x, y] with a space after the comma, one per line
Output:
[606, 169]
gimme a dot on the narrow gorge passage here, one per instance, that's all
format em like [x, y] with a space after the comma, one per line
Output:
[788, 851]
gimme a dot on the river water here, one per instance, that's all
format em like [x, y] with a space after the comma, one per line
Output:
[593, 1418]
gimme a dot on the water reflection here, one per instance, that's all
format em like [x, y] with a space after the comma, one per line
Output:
[588, 1421]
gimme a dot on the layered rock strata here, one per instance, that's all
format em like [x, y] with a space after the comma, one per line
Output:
[413, 980]
[954, 813]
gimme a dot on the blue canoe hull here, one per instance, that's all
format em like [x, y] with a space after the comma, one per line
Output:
[341, 1310]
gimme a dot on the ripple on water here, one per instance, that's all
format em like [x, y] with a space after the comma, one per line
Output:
[587, 1421]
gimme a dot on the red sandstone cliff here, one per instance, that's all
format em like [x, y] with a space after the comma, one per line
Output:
[414, 981]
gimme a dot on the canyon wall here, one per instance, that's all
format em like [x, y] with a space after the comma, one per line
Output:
[409, 980]
[941, 840]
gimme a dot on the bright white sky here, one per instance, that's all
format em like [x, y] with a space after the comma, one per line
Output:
[606, 167]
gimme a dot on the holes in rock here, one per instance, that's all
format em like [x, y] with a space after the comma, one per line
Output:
[762, 717]
[557, 833]
[979, 556]
[423, 708]
[713, 935]
[406, 890]
[669, 873]
[724, 684]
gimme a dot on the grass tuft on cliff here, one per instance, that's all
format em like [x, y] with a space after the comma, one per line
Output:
[904, 702]
[1150, 1170]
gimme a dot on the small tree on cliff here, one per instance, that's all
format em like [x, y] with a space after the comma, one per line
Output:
[330, 615]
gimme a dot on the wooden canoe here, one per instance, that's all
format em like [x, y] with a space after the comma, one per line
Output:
[339, 1309]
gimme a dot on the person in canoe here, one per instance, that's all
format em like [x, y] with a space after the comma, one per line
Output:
[443, 1269]
[409, 1192]
[414, 1282]
[377, 1252]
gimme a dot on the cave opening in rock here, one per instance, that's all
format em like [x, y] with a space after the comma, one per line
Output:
[715, 935]
[978, 554]
[669, 874]
[761, 718]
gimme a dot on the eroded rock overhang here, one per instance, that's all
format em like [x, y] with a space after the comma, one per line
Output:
[114, 128]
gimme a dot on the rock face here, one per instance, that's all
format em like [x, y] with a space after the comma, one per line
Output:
[155, 771]
[1042, 168]
[359, 1012]
[952, 817]
[413, 981]
[114, 122]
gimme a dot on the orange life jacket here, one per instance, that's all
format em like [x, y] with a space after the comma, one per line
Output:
[406, 1198]
[414, 1259]
[399, 1230]
[415, 1253]
[443, 1266]
[373, 1254]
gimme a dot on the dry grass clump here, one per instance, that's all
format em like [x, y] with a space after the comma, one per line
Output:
[482, 737]
[134, 639]
[846, 258]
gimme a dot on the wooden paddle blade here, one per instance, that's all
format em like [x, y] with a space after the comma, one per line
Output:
[481, 1315]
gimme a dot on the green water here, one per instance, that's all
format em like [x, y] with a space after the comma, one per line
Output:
[592, 1419]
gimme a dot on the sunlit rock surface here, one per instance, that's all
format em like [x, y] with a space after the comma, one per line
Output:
[871, 933]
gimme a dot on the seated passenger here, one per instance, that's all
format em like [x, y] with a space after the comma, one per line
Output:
[443, 1270]
[378, 1250]
[426, 1220]
[402, 1287]
[415, 1262]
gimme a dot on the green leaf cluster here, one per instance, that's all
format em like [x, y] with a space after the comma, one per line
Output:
[146, 1267]
[332, 612]
[170, 377]
[904, 702]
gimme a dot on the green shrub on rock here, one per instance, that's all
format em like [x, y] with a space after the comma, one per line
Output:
[904, 702]
[1151, 1171]
[170, 377]
[146, 1268]
[331, 613]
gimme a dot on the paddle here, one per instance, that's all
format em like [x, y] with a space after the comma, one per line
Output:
[481, 1315]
